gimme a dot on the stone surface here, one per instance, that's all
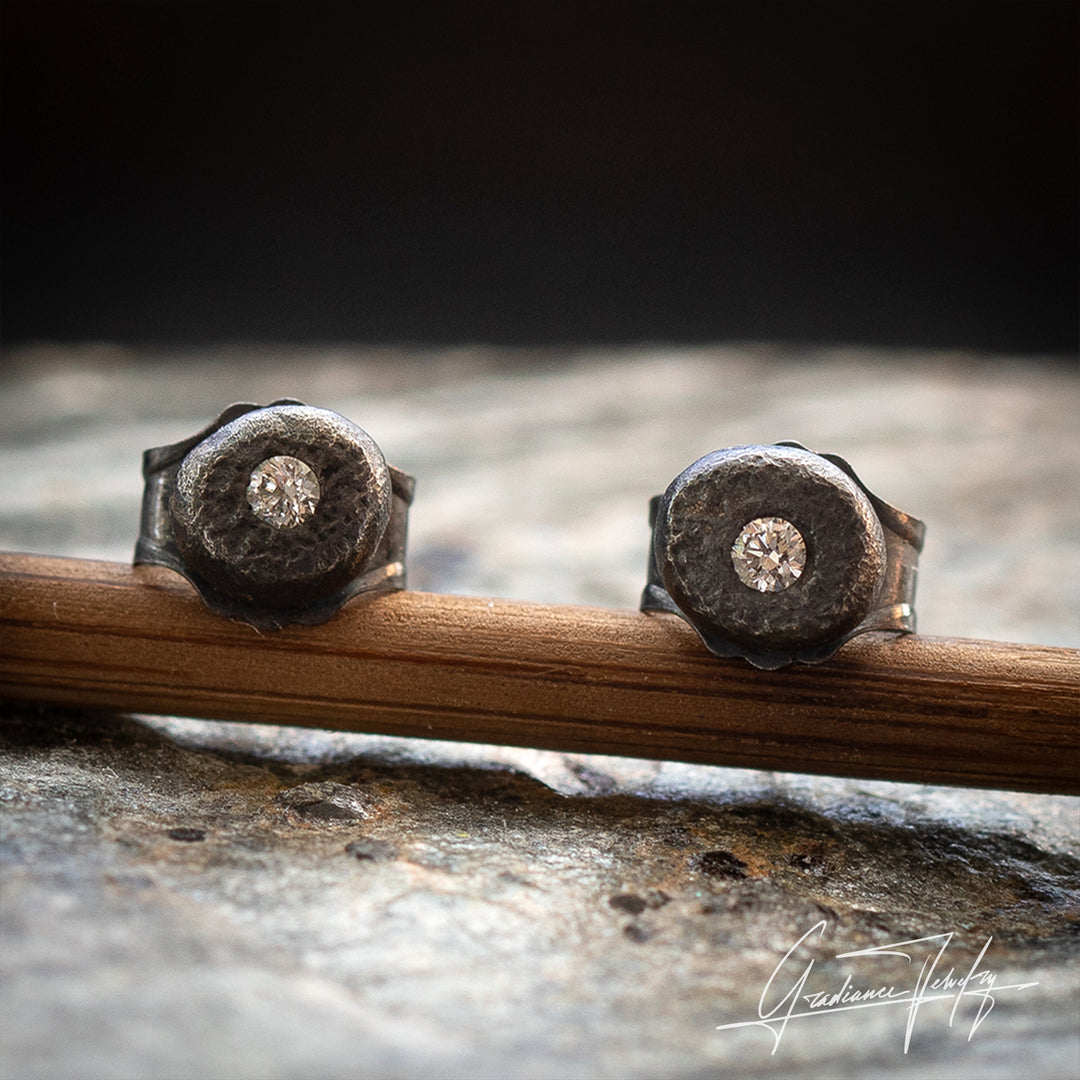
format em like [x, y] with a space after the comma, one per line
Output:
[189, 898]
[283, 492]
[769, 554]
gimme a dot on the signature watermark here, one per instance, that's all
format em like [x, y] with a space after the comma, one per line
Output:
[787, 995]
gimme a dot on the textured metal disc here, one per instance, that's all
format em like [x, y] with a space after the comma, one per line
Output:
[244, 556]
[705, 509]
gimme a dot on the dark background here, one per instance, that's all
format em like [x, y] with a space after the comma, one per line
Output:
[874, 172]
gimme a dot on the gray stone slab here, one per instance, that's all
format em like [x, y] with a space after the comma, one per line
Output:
[187, 898]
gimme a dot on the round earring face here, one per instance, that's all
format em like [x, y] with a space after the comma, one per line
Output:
[281, 506]
[774, 553]
[276, 514]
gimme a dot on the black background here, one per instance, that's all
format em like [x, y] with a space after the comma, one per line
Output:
[876, 172]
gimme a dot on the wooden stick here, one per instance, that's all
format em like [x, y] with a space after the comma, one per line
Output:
[927, 710]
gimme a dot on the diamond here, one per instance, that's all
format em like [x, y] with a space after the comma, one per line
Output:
[283, 492]
[769, 554]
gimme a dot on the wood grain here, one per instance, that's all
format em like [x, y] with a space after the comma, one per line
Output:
[925, 710]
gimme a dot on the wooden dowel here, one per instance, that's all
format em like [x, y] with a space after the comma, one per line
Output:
[927, 710]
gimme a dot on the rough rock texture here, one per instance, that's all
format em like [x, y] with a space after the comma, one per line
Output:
[186, 898]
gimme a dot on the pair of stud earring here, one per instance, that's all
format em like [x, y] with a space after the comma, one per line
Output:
[280, 514]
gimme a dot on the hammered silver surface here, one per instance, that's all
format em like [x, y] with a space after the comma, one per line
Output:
[246, 557]
[706, 507]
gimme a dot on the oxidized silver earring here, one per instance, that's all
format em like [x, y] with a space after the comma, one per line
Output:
[777, 554]
[276, 514]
